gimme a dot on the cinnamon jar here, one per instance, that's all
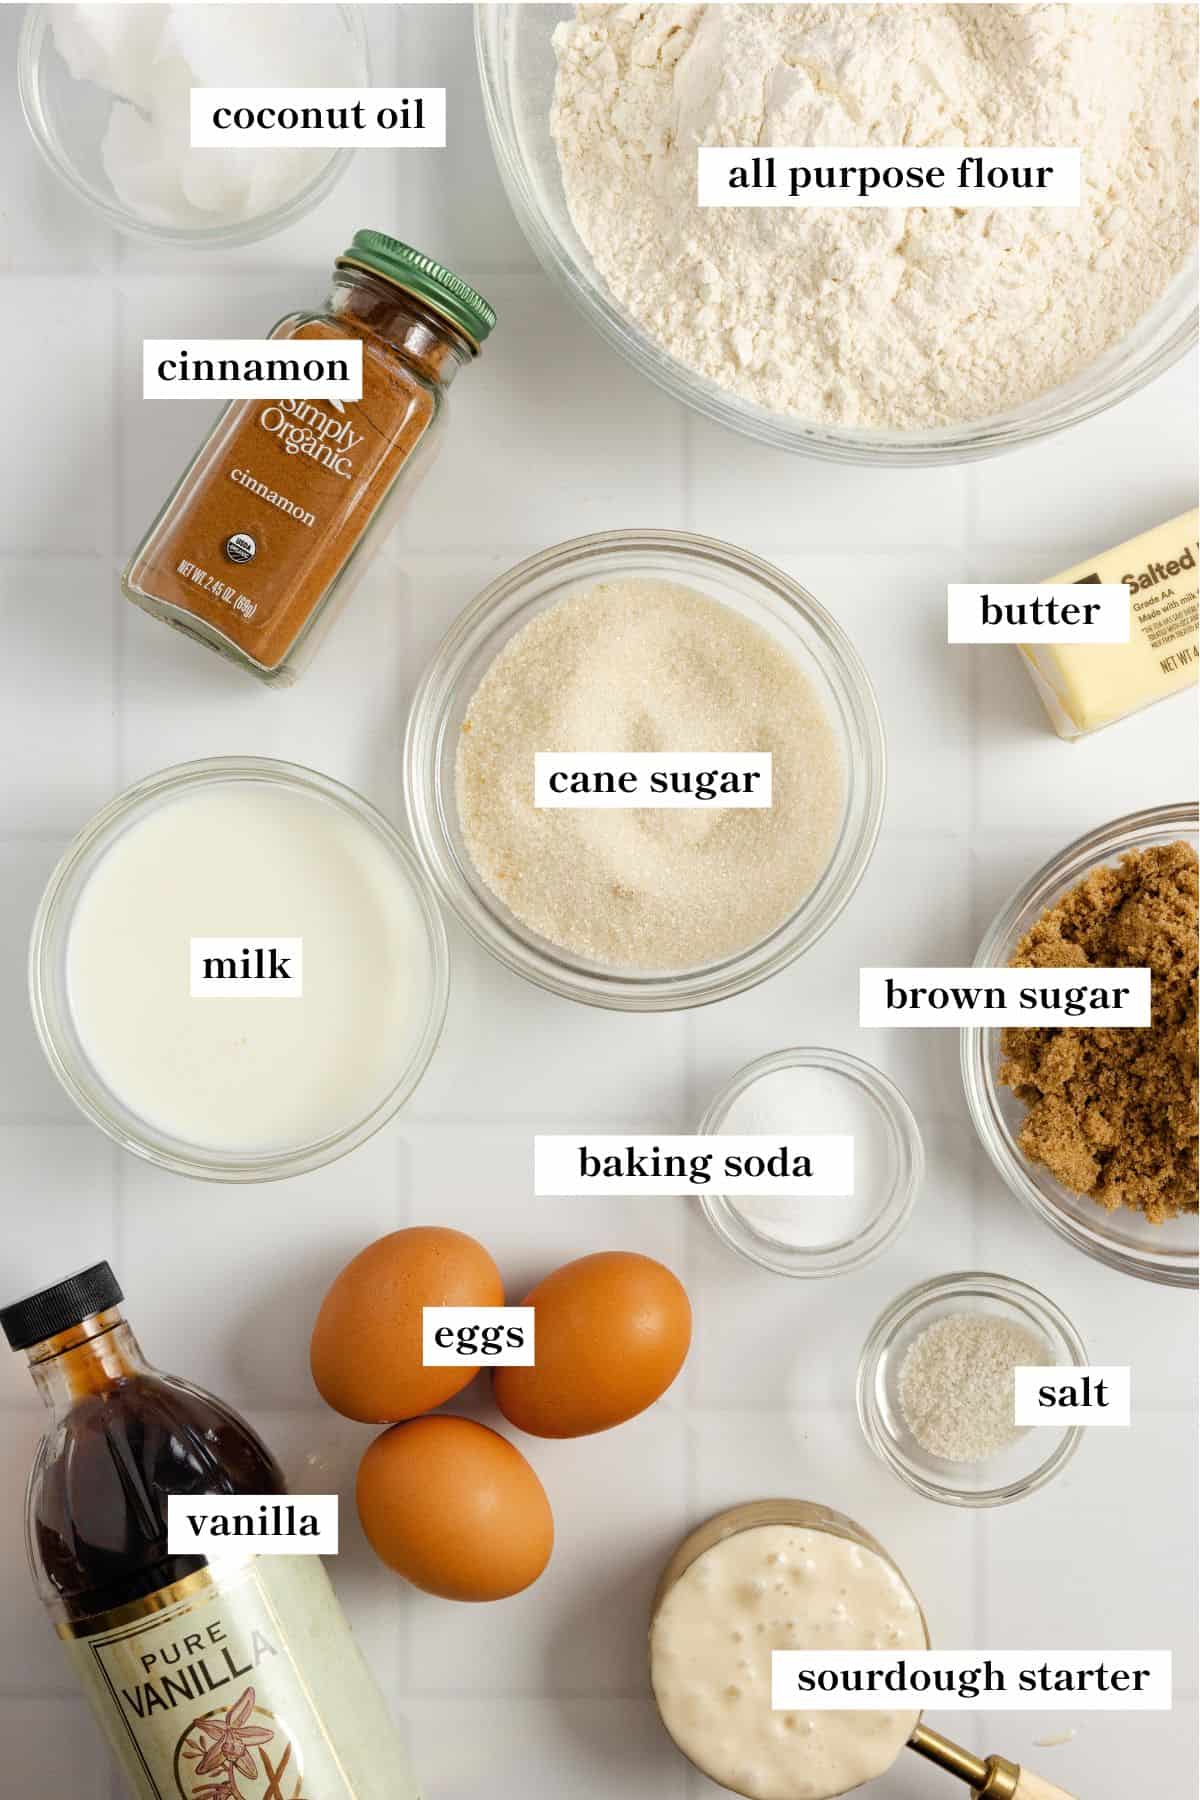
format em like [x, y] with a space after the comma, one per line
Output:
[286, 500]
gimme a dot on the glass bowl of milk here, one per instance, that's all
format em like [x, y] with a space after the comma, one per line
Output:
[238, 970]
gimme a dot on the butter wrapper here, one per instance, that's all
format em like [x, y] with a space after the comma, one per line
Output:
[1087, 686]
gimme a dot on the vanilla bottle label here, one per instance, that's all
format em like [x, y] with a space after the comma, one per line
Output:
[243, 1684]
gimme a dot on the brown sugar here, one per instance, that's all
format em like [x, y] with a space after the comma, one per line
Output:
[1112, 1113]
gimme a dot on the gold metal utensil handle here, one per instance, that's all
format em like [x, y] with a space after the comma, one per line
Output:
[1032, 1787]
[991, 1778]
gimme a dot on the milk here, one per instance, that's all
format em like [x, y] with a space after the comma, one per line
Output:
[249, 1071]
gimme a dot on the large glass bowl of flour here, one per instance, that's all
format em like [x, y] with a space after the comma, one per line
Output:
[518, 68]
[763, 596]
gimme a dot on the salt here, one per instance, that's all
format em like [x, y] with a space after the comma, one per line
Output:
[808, 1099]
[956, 1384]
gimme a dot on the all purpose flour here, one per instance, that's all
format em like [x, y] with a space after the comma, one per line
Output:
[898, 318]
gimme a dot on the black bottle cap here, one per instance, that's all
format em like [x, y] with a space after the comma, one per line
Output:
[54, 1309]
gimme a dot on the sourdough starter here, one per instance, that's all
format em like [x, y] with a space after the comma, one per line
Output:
[778, 1587]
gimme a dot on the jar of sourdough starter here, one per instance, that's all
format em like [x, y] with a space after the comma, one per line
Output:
[286, 500]
[230, 1678]
[777, 1575]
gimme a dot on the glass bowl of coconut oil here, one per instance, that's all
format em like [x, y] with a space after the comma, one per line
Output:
[70, 121]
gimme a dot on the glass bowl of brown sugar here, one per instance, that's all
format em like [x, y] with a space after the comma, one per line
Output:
[1125, 1238]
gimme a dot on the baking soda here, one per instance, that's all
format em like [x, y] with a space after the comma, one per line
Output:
[800, 1100]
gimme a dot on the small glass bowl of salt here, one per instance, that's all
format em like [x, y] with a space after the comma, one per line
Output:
[105, 93]
[814, 1090]
[936, 1390]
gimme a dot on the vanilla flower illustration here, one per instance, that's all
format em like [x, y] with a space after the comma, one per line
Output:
[230, 1743]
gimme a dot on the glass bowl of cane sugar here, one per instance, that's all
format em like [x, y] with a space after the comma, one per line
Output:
[761, 597]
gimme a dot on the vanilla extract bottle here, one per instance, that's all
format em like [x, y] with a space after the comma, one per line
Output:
[235, 1678]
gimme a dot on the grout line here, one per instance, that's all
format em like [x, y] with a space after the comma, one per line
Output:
[972, 509]
[687, 467]
[768, 548]
[118, 1209]
[256, 274]
[36, 1121]
[599, 1123]
[38, 558]
[548, 1696]
[971, 520]
[40, 1696]
[116, 495]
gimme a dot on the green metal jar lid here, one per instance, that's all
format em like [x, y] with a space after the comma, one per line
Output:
[446, 292]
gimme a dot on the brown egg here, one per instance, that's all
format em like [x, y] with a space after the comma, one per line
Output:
[455, 1509]
[366, 1343]
[610, 1335]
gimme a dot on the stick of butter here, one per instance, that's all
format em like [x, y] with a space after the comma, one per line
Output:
[1085, 686]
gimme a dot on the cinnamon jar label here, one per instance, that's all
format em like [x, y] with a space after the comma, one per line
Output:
[265, 519]
[199, 1690]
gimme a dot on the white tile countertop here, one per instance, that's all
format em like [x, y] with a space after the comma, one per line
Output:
[552, 436]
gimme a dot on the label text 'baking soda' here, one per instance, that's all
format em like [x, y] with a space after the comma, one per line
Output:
[857, 175]
[660, 1165]
[968, 1681]
[590, 779]
[252, 369]
[1011, 613]
[973, 996]
[390, 118]
[267, 1524]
